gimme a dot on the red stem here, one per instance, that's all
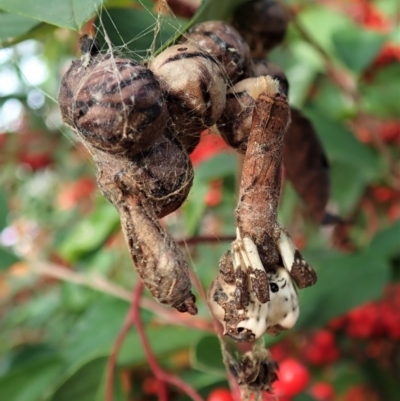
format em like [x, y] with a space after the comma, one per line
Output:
[133, 318]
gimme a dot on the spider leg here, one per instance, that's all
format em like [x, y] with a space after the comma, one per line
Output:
[302, 273]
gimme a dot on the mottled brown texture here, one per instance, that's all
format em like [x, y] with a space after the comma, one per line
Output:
[260, 285]
[225, 297]
[223, 42]
[226, 268]
[304, 158]
[234, 123]
[262, 23]
[306, 165]
[194, 88]
[255, 371]
[302, 273]
[157, 258]
[117, 109]
[256, 212]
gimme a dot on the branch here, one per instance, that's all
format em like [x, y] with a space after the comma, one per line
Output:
[133, 318]
[99, 283]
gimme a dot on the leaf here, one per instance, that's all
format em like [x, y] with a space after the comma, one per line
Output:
[133, 30]
[386, 242]
[342, 146]
[321, 22]
[216, 10]
[90, 234]
[70, 14]
[164, 340]
[306, 165]
[381, 96]
[357, 47]
[104, 319]
[206, 356]
[194, 207]
[348, 186]
[3, 205]
[13, 26]
[219, 166]
[31, 381]
[83, 384]
[344, 281]
[7, 258]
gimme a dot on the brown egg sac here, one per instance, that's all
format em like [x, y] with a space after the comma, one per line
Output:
[194, 87]
[262, 23]
[164, 173]
[224, 43]
[114, 104]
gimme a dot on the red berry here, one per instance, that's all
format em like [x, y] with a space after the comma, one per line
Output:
[220, 394]
[363, 321]
[323, 391]
[337, 323]
[321, 348]
[36, 161]
[293, 378]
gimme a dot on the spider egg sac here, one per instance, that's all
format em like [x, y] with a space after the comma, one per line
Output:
[224, 43]
[194, 87]
[262, 23]
[116, 105]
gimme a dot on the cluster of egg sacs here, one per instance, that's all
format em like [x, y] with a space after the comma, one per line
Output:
[122, 107]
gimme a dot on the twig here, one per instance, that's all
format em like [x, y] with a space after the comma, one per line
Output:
[99, 283]
[202, 239]
[133, 317]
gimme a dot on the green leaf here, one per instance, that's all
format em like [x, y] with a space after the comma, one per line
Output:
[90, 234]
[303, 397]
[7, 258]
[32, 381]
[13, 26]
[3, 204]
[348, 184]
[206, 356]
[344, 281]
[83, 384]
[194, 207]
[103, 319]
[219, 166]
[133, 30]
[70, 14]
[164, 340]
[215, 10]
[357, 47]
[321, 22]
[386, 242]
[341, 145]
[381, 96]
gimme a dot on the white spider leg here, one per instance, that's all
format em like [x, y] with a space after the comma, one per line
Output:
[250, 252]
[302, 273]
[287, 249]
